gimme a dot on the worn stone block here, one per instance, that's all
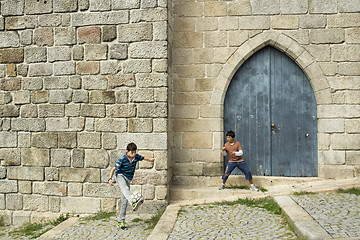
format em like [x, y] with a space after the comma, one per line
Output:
[121, 110]
[67, 140]
[26, 173]
[137, 66]
[41, 96]
[135, 32]
[188, 40]
[50, 188]
[5, 97]
[109, 33]
[25, 187]
[92, 110]
[284, 22]
[110, 67]
[8, 186]
[77, 158]
[60, 158]
[78, 53]
[110, 125]
[155, 141]
[332, 157]
[35, 157]
[79, 175]
[140, 125]
[8, 139]
[65, 5]
[9, 39]
[119, 80]
[14, 201]
[349, 68]
[9, 157]
[86, 68]
[21, 97]
[59, 54]
[89, 35]
[97, 5]
[40, 69]
[109, 141]
[11, 55]
[125, 4]
[327, 36]
[75, 189]
[44, 140]
[35, 54]
[141, 95]
[152, 80]
[65, 36]
[254, 22]
[60, 96]
[144, 176]
[89, 140]
[9, 8]
[37, 203]
[156, 49]
[317, 6]
[54, 204]
[152, 110]
[345, 141]
[51, 174]
[103, 18]
[118, 51]
[336, 171]
[44, 36]
[293, 6]
[262, 7]
[331, 125]
[38, 7]
[96, 52]
[10, 84]
[57, 124]
[31, 124]
[96, 158]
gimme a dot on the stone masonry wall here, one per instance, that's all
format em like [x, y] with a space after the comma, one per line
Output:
[211, 39]
[79, 80]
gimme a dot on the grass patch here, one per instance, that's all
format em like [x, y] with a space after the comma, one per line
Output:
[245, 187]
[353, 190]
[100, 215]
[2, 224]
[154, 219]
[303, 193]
[35, 230]
[265, 203]
[135, 220]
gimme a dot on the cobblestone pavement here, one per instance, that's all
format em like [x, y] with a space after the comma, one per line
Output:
[108, 229]
[338, 214]
[229, 222]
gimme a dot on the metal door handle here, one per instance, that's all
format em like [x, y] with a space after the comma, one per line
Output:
[273, 128]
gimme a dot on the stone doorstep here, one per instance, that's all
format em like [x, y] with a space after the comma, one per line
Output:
[275, 186]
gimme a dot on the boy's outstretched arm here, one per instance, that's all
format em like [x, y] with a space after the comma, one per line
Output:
[149, 159]
[110, 176]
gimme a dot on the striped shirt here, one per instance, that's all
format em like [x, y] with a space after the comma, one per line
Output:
[126, 167]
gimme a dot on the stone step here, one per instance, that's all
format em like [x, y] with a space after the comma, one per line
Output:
[274, 185]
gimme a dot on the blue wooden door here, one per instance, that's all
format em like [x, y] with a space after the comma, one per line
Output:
[271, 107]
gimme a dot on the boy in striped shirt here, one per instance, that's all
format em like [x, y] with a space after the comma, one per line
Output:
[124, 172]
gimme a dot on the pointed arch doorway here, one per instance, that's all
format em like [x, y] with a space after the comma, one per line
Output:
[271, 106]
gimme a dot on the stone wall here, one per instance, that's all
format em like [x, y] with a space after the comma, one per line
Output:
[80, 79]
[211, 39]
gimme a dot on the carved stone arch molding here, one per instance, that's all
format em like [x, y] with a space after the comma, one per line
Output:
[283, 43]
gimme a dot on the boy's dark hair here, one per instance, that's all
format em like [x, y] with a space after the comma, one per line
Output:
[230, 133]
[131, 147]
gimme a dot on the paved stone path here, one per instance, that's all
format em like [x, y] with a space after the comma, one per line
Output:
[229, 222]
[338, 214]
[108, 229]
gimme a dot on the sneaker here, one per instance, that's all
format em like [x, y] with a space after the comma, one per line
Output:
[222, 186]
[122, 225]
[253, 188]
[137, 204]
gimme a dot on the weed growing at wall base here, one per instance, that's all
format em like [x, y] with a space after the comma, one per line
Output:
[352, 190]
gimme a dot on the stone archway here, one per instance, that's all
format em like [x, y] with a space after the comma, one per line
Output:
[283, 43]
